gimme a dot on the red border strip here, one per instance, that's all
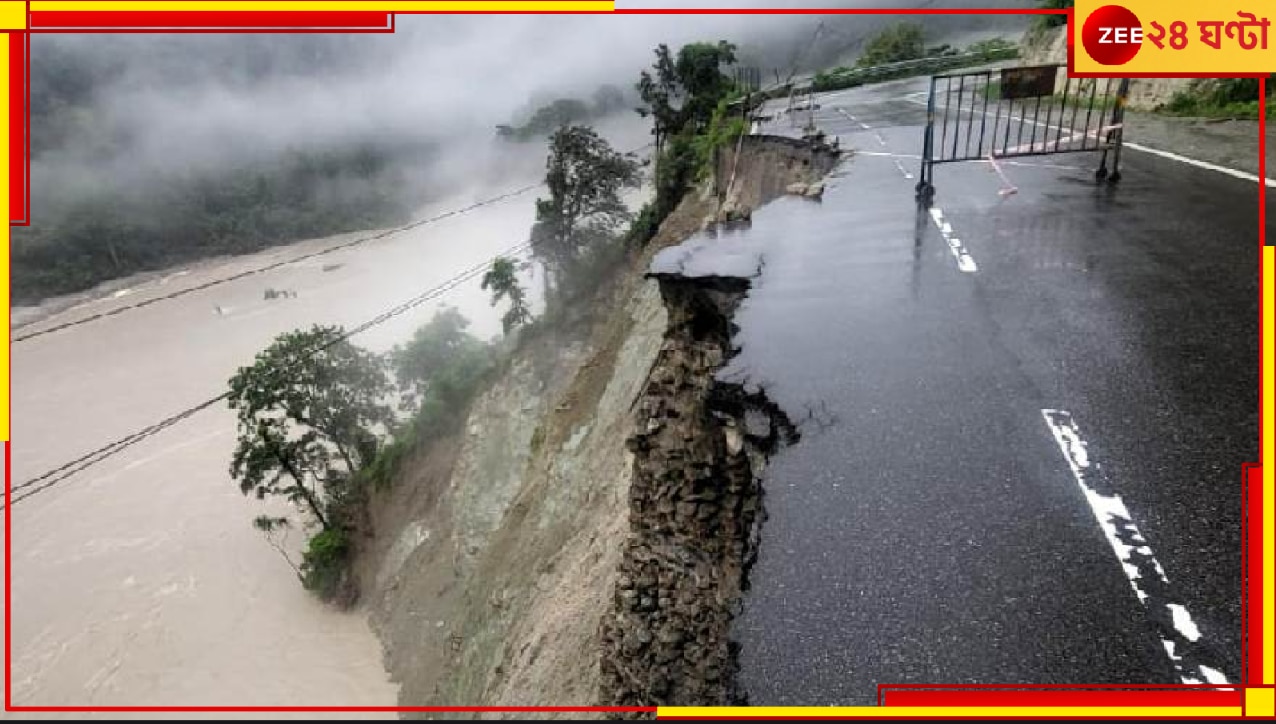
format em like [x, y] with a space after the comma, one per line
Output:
[19, 129]
[983, 697]
[164, 20]
[1252, 523]
[1252, 527]
[8, 588]
[1057, 689]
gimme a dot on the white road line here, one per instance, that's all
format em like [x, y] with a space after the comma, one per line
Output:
[965, 261]
[862, 124]
[881, 140]
[1234, 173]
[888, 154]
[1178, 631]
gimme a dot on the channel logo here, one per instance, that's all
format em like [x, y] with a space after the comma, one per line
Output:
[1112, 35]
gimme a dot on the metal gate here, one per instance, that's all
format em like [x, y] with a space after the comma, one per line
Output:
[1030, 111]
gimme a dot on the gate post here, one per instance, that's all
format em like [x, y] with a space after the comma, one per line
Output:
[1123, 95]
[926, 186]
[1115, 136]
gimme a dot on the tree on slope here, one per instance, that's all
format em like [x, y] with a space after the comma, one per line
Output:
[502, 280]
[308, 410]
[585, 176]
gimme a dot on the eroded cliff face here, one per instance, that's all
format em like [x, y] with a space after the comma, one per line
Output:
[491, 592]
[695, 507]
[583, 539]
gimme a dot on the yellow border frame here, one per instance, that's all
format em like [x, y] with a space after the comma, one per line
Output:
[1259, 702]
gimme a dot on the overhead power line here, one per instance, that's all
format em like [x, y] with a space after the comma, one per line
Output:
[53, 477]
[66, 470]
[274, 265]
[57, 475]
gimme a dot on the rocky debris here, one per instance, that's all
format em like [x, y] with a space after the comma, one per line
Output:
[821, 142]
[734, 214]
[769, 164]
[695, 510]
[811, 190]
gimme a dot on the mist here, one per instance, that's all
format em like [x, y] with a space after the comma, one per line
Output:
[139, 115]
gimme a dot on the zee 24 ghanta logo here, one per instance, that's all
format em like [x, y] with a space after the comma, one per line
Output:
[1113, 35]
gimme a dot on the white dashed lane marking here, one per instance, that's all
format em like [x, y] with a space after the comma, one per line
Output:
[855, 120]
[881, 140]
[1180, 636]
[965, 261]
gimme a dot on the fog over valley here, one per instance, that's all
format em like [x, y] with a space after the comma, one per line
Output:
[152, 150]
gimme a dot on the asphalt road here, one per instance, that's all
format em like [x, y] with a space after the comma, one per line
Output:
[1025, 419]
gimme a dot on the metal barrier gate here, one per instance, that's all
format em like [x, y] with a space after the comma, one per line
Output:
[1030, 111]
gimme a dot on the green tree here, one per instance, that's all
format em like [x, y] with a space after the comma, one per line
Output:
[502, 279]
[899, 42]
[308, 411]
[681, 93]
[439, 367]
[585, 176]
[992, 48]
[1053, 21]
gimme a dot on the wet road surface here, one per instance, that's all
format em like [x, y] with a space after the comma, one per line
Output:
[1025, 419]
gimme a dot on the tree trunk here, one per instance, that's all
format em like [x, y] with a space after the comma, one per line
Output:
[341, 450]
[307, 494]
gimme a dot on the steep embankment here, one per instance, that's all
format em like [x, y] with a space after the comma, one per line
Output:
[497, 553]
[696, 504]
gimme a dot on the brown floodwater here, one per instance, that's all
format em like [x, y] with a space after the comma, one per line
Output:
[141, 581]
